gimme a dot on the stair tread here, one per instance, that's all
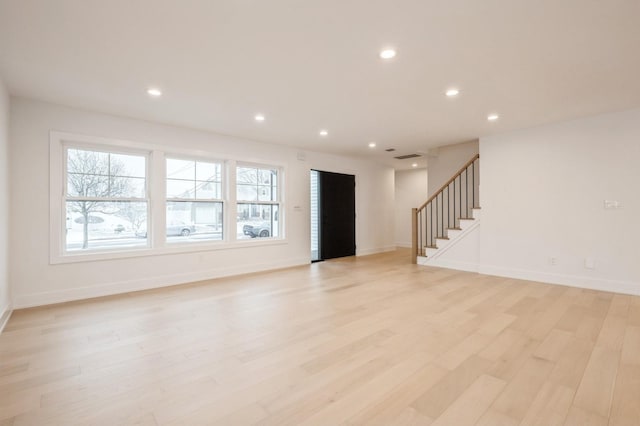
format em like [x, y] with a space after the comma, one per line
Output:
[442, 238]
[454, 229]
[432, 247]
[466, 218]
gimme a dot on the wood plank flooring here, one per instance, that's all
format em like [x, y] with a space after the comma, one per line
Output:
[371, 340]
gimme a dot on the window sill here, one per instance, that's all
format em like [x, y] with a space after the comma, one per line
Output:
[169, 249]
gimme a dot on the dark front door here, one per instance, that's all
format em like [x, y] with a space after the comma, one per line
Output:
[337, 215]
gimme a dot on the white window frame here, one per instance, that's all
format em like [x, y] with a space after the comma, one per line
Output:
[66, 197]
[223, 192]
[279, 199]
[156, 199]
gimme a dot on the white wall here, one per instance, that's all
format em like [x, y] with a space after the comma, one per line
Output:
[410, 192]
[35, 281]
[445, 161]
[542, 196]
[4, 204]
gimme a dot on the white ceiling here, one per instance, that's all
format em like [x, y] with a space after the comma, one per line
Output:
[309, 65]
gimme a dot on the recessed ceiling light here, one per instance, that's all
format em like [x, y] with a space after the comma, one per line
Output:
[452, 92]
[324, 133]
[155, 92]
[414, 165]
[372, 144]
[388, 54]
[493, 117]
[259, 117]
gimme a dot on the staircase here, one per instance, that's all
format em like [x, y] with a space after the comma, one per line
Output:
[447, 216]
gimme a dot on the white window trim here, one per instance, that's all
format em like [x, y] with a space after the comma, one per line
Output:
[156, 193]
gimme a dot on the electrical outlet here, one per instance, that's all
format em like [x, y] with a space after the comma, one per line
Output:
[590, 263]
[553, 261]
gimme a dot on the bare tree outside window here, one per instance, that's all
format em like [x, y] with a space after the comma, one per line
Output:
[135, 213]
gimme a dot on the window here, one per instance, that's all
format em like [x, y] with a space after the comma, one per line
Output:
[113, 199]
[106, 201]
[194, 201]
[258, 202]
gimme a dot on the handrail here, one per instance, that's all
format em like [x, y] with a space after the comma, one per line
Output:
[443, 187]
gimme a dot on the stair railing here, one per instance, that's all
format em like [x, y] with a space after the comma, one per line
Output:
[455, 200]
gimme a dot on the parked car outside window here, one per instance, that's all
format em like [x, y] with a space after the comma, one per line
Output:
[262, 230]
[173, 230]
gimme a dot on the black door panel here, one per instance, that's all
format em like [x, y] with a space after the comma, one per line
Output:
[337, 216]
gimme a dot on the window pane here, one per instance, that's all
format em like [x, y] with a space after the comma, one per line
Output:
[255, 184]
[267, 193]
[193, 221]
[180, 188]
[103, 175]
[126, 187]
[87, 162]
[245, 175]
[181, 169]
[105, 225]
[247, 193]
[128, 165]
[207, 186]
[268, 177]
[208, 171]
[85, 185]
[257, 221]
[208, 190]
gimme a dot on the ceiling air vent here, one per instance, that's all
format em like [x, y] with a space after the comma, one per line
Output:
[390, 149]
[404, 157]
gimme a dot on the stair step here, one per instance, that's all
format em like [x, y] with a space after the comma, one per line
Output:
[454, 229]
[466, 218]
[476, 208]
[442, 238]
[432, 247]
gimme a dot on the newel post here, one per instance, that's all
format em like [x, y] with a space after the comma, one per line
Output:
[414, 235]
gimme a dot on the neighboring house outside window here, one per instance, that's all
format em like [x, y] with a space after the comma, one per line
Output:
[195, 203]
[258, 202]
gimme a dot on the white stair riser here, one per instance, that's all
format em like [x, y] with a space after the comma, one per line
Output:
[430, 251]
[440, 242]
[453, 233]
[465, 223]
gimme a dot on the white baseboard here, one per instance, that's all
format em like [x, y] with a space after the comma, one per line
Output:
[366, 252]
[5, 314]
[614, 286]
[68, 295]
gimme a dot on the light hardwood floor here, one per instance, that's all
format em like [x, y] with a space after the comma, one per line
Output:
[371, 340]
